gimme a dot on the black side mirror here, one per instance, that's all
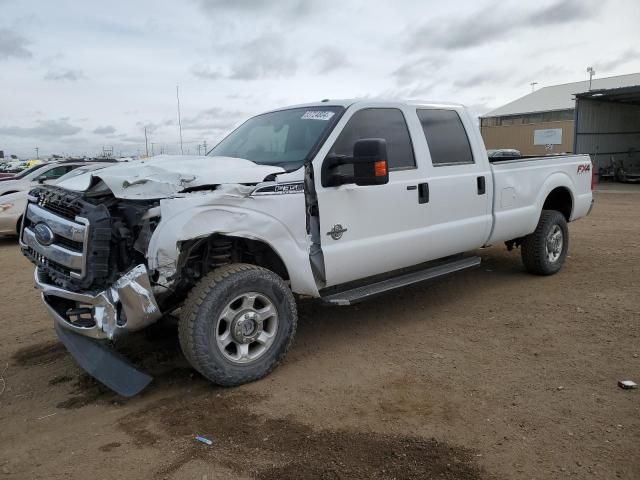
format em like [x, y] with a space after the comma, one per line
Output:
[369, 163]
[41, 179]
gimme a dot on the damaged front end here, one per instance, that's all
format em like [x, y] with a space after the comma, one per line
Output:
[80, 319]
[89, 251]
[127, 306]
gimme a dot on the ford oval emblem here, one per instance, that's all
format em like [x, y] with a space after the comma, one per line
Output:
[44, 235]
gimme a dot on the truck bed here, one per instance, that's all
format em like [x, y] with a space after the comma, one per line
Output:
[521, 186]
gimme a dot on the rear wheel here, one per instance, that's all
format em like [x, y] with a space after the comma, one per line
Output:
[237, 324]
[545, 250]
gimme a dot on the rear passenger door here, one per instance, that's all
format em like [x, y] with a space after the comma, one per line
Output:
[460, 185]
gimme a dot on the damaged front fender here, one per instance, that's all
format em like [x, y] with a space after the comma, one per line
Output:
[232, 211]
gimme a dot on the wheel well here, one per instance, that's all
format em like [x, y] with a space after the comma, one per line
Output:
[202, 255]
[9, 192]
[559, 199]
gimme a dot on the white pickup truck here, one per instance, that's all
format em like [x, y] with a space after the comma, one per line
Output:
[338, 200]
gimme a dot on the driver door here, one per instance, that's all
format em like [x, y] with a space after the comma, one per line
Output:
[367, 230]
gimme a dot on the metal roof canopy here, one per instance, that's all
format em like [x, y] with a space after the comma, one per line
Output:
[561, 97]
[607, 125]
[629, 95]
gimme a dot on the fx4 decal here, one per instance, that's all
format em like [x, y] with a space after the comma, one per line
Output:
[584, 168]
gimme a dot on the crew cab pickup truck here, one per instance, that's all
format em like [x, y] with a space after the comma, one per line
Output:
[338, 200]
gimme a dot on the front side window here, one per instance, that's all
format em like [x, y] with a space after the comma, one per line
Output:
[284, 138]
[386, 123]
[446, 137]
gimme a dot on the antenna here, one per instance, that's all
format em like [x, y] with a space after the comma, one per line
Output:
[591, 73]
[533, 86]
[179, 119]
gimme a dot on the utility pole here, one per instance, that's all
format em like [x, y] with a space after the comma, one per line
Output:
[37, 153]
[146, 141]
[152, 152]
[205, 147]
[179, 119]
[533, 86]
[591, 73]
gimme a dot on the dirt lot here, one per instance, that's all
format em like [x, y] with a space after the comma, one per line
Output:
[491, 373]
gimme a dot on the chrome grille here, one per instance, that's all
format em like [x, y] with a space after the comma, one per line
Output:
[69, 244]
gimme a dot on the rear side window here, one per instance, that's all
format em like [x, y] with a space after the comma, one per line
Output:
[57, 172]
[387, 123]
[447, 139]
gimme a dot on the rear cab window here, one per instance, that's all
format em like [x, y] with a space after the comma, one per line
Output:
[446, 137]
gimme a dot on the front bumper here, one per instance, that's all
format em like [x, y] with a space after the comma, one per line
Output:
[128, 305]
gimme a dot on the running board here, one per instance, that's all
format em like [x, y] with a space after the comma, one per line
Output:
[349, 297]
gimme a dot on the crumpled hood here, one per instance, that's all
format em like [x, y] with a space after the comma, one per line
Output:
[166, 175]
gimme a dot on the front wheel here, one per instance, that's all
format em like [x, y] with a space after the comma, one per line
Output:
[237, 324]
[545, 250]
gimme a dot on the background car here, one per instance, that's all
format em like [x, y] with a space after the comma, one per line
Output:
[503, 153]
[12, 205]
[41, 173]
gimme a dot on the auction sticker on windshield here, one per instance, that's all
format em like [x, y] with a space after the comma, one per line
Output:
[317, 115]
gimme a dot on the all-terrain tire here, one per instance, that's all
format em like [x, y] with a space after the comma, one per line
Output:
[536, 246]
[200, 313]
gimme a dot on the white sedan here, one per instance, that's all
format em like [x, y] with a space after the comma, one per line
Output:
[12, 205]
[41, 173]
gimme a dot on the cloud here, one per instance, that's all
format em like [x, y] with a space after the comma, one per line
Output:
[216, 119]
[153, 127]
[564, 11]
[493, 23]
[417, 69]
[206, 72]
[611, 64]
[263, 57]
[67, 75]
[106, 130]
[329, 59]
[289, 8]
[13, 45]
[44, 129]
[131, 139]
[483, 78]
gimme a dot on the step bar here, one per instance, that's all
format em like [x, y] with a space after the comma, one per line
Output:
[359, 294]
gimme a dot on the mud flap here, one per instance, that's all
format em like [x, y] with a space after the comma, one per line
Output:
[105, 365]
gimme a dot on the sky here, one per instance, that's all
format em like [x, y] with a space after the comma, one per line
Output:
[77, 77]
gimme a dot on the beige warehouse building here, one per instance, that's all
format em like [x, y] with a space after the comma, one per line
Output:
[543, 121]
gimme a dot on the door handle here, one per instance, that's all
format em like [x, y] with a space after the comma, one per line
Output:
[481, 185]
[423, 193]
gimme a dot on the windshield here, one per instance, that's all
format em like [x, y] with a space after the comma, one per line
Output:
[284, 138]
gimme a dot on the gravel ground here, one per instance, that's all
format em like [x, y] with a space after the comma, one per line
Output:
[490, 373]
